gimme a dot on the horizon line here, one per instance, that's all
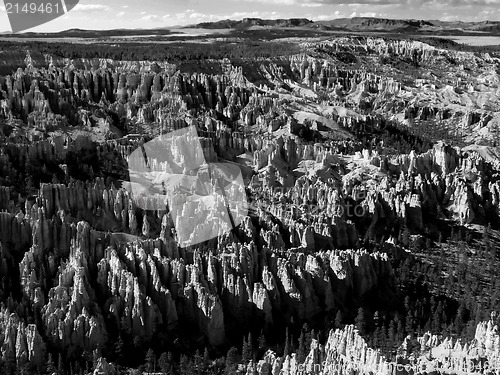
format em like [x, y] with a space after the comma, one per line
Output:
[312, 20]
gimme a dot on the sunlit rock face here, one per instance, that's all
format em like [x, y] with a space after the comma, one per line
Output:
[346, 352]
[170, 172]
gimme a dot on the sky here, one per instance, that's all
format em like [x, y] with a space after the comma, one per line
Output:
[111, 14]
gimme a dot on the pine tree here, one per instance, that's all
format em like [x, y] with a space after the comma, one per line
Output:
[124, 327]
[286, 349]
[376, 338]
[314, 335]
[137, 342]
[206, 358]
[60, 365]
[399, 330]
[96, 354]
[459, 319]
[307, 336]
[246, 351]
[77, 368]
[428, 243]
[427, 325]
[376, 319]
[437, 318]
[407, 303]
[150, 361]
[406, 237]
[186, 365]
[360, 321]
[301, 352]
[119, 349]
[384, 341]
[51, 368]
[409, 323]
[339, 318]
[165, 362]
[391, 335]
[30, 185]
[251, 344]
[262, 341]
[231, 361]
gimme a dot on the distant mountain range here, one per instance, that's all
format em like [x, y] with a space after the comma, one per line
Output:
[381, 24]
[249, 22]
[356, 24]
[361, 24]
[80, 33]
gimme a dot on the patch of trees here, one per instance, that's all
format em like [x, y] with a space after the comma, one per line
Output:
[402, 138]
[449, 44]
[307, 134]
[346, 57]
[172, 52]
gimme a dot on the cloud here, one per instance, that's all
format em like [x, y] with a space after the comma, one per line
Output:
[327, 17]
[192, 16]
[238, 15]
[185, 14]
[197, 15]
[405, 3]
[91, 8]
[277, 2]
[151, 18]
[473, 2]
[120, 14]
[154, 17]
[311, 5]
[450, 18]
